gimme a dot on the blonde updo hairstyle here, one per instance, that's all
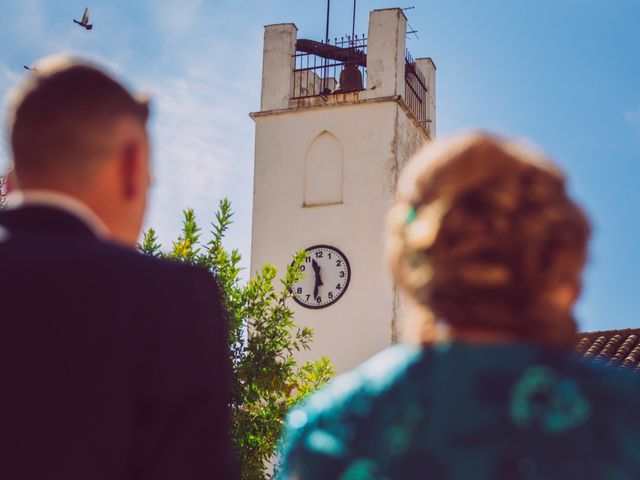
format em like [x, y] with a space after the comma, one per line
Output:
[482, 233]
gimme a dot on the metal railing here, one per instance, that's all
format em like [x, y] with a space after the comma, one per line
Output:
[415, 91]
[324, 68]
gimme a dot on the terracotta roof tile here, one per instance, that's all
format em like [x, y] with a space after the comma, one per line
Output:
[618, 348]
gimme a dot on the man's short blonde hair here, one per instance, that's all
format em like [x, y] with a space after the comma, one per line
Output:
[59, 118]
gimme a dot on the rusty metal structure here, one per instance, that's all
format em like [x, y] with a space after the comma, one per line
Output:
[415, 91]
[323, 68]
[326, 68]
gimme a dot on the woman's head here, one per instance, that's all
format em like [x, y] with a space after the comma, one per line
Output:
[484, 236]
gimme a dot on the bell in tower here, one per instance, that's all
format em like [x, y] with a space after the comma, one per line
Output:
[350, 78]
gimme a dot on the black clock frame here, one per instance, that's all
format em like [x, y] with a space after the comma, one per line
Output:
[346, 285]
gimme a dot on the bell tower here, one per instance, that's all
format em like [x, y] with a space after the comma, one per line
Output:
[337, 122]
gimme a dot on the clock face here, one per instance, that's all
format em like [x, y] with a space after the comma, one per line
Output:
[326, 277]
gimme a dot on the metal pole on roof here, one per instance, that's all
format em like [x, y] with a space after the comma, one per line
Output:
[353, 23]
[326, 36]
[327, 29]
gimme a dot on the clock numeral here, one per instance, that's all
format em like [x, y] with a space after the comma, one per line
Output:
[308, 259]
[338, 263]
[302, 267]
[308, 297]
[319, 299]
[342, 274]
[319, 254]
[330, 295]
[299, 290]
[338, 287]
[329, 255]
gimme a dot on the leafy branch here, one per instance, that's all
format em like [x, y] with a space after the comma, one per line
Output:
[263, 338]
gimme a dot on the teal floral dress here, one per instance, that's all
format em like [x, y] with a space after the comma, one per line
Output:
[463, 411]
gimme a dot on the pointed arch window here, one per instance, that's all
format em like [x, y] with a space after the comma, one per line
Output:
[323, 171]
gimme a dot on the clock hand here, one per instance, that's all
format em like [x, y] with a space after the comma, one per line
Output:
[318, 283]
[316, 267]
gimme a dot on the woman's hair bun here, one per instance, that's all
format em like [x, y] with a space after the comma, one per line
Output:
[481, 231]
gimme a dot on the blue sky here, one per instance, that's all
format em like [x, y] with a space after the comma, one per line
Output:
[563, 73]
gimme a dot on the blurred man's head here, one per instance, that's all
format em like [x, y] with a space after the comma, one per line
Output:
[77, 131]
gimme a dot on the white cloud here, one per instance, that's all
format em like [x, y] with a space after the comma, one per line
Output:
[28, 20]
[633, 117]
[175, 17]
[197, 135]
[202, 141]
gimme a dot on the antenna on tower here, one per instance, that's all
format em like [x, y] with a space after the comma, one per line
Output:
[411, 29]
[326, 35]
[353, 23]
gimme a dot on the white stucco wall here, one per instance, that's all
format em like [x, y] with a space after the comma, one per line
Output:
[386, 53]
[360, 323]
[323, 171]
[277, 65]
[428, 69]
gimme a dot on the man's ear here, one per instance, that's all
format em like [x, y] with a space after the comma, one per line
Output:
[131, 168]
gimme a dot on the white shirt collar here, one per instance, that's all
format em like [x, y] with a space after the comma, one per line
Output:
[61, 201]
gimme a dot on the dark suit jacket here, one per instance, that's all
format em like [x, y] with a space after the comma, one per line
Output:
[113, 365]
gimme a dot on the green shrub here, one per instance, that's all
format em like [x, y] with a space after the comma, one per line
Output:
[263, 338]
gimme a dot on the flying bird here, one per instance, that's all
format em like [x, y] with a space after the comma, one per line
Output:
[84, 23]
[31, 69]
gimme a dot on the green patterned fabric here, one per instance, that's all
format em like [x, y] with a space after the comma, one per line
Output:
[463, 411]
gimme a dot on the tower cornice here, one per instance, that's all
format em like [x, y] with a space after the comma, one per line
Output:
[341, 100]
